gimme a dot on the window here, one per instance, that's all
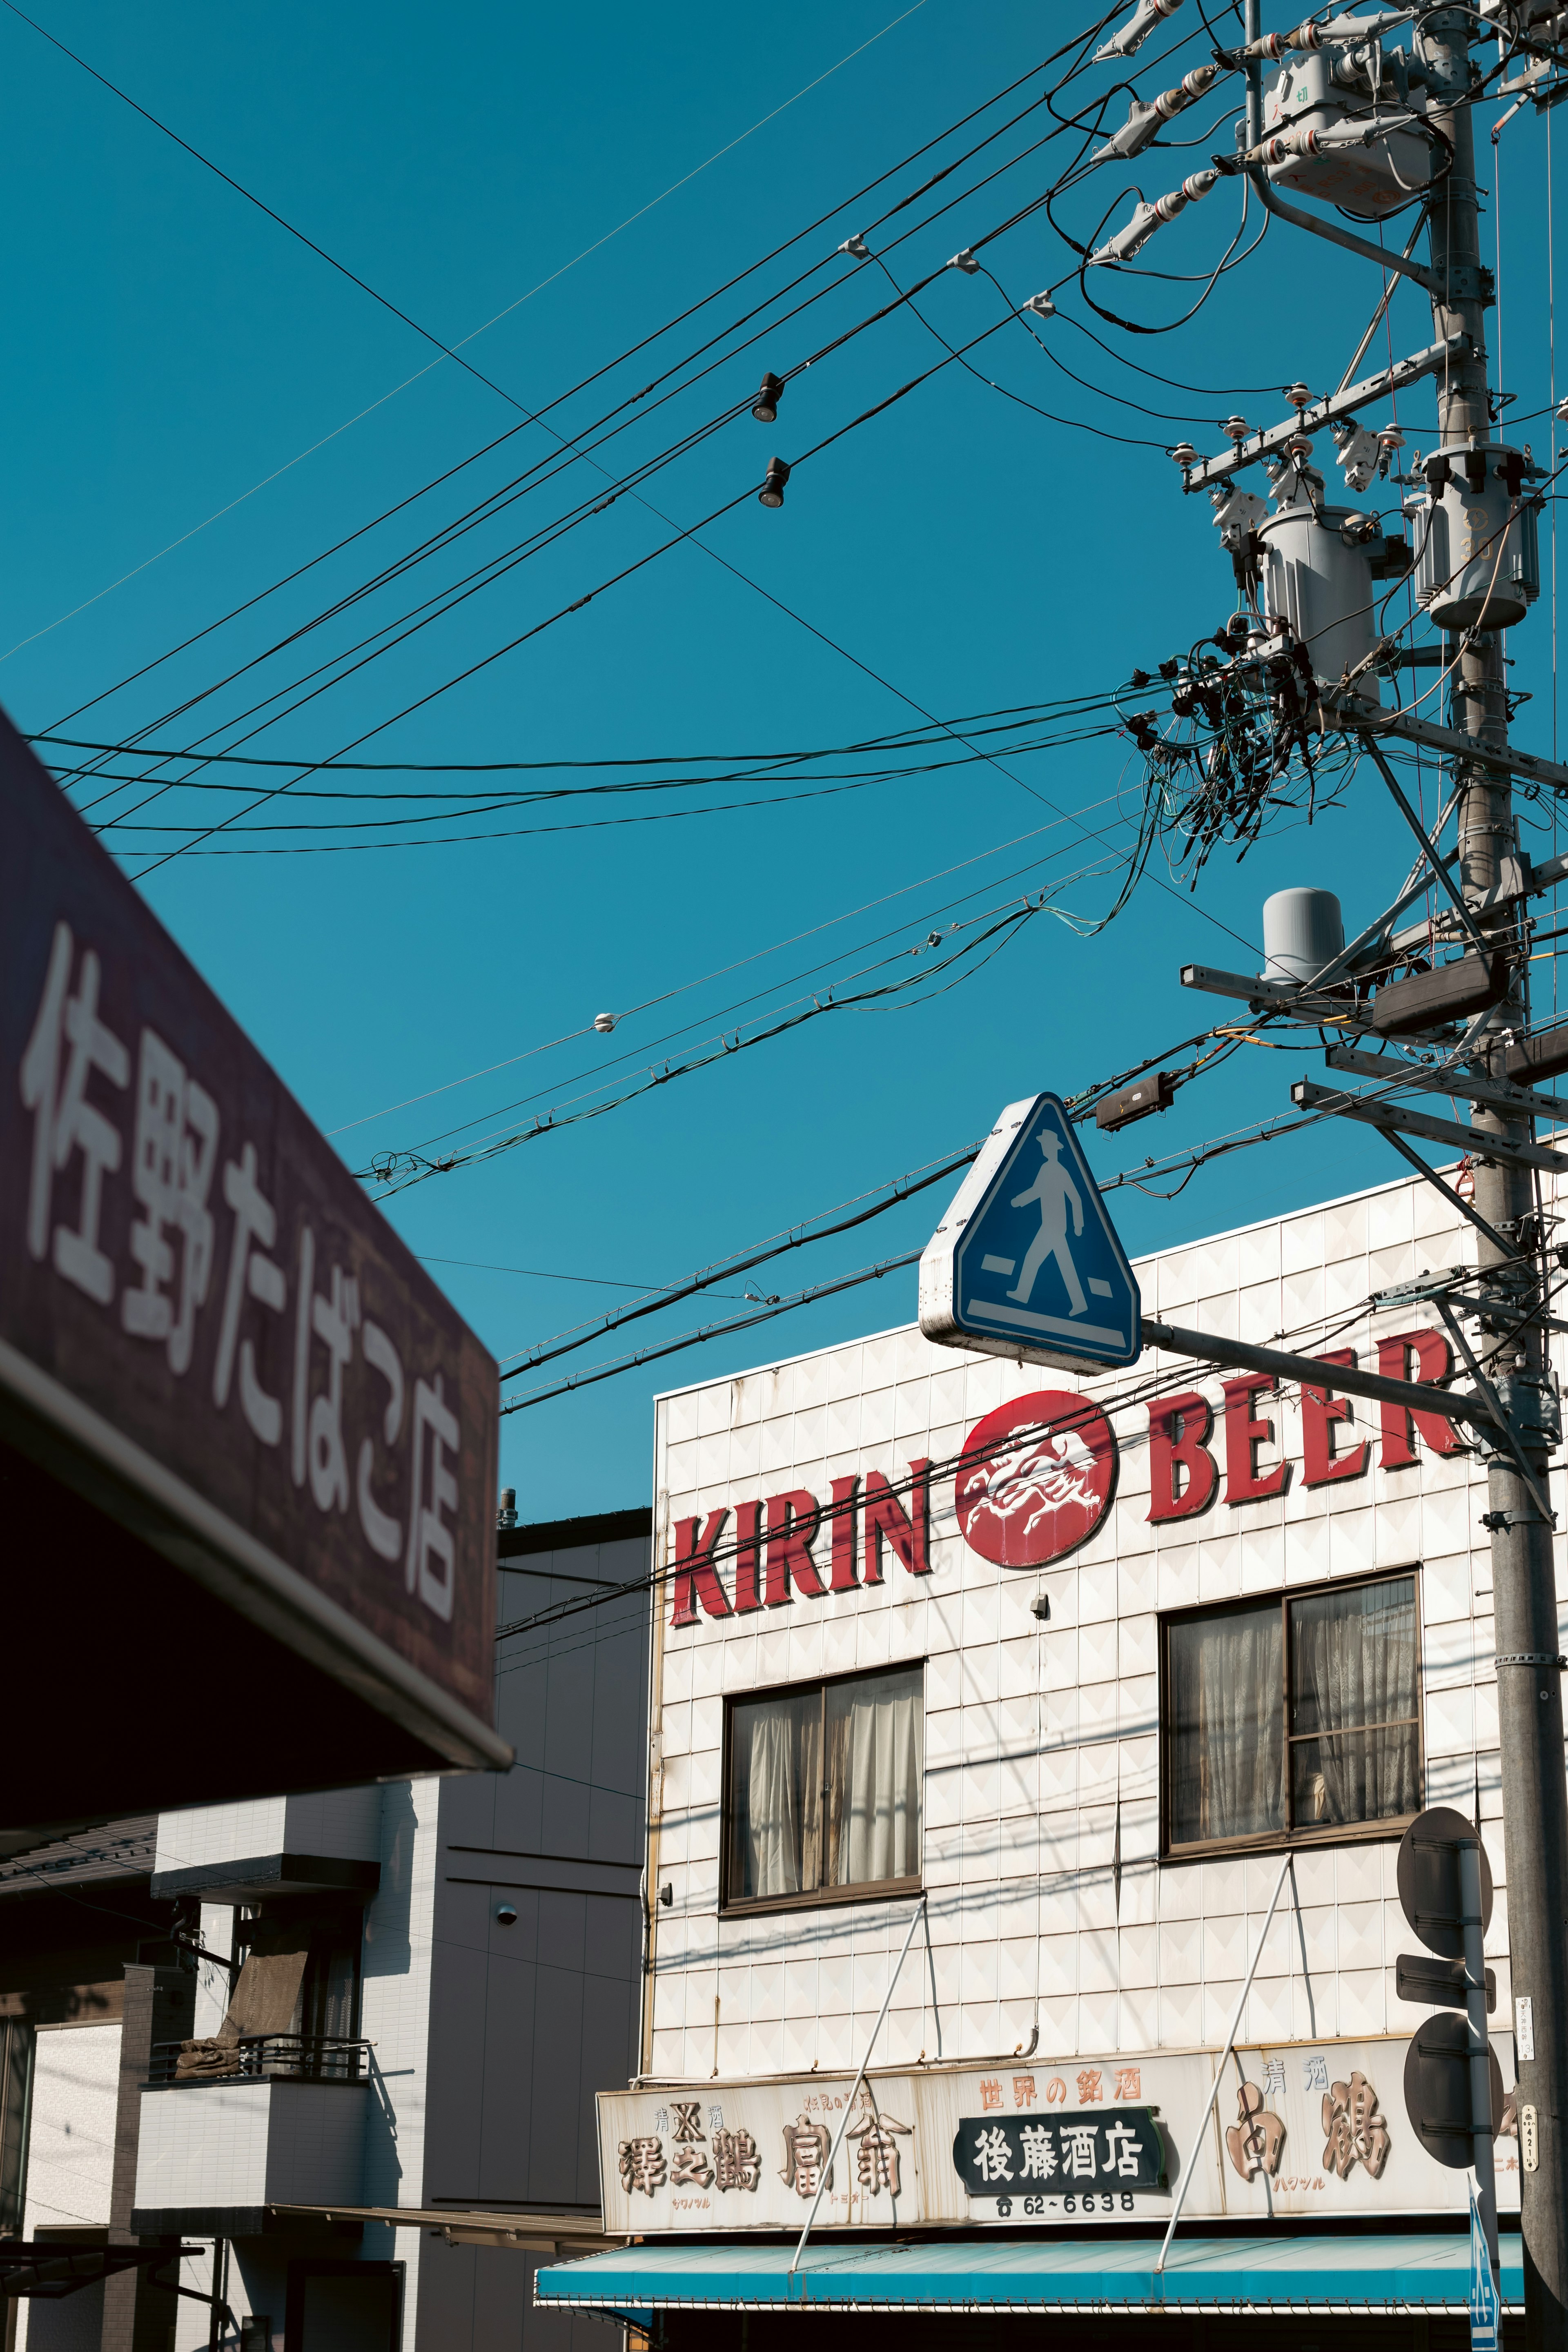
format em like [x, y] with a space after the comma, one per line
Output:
[823, 1791]
[1291, 1718]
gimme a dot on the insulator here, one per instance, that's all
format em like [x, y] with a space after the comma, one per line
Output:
[1144, 120]
[855, 247]
[1308, 37]
[1150, 217]
[1137, 29]
[964, 261]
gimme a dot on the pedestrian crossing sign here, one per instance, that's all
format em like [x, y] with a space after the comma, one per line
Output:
[1026, 1262]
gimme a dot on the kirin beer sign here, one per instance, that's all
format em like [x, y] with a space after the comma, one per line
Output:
[1035, 1477]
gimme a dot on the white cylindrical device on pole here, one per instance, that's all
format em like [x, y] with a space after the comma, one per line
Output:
[1303, 929]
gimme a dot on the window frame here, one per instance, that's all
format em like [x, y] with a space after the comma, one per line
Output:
[1384, 1831]
[821, 1898]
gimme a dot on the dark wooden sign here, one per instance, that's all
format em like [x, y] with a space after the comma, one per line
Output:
[1081, 2154]
[207, 1328]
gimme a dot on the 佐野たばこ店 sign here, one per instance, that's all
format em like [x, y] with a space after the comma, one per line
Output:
[212, 1340]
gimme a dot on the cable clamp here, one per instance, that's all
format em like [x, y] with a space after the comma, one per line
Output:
[1534, 1658]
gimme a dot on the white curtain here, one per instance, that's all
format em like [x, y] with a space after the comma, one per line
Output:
[776, 1747]
[798, 1822]
[875, 1737]
[1225, 1726]
[1353, 1666]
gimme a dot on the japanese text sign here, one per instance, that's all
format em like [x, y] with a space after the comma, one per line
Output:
[1010, 2157]
[191, 1281]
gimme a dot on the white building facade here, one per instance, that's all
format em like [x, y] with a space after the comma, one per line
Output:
[1067, 1666]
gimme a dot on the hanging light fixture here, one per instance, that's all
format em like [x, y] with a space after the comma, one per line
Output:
[772, 489]
[766, 407]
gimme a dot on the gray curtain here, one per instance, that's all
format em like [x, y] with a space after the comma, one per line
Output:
[1226, 1765]
[1353, 1665]
[875, 1742]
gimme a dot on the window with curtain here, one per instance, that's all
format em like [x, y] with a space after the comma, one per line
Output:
[1292, 1717]
[824, 1789]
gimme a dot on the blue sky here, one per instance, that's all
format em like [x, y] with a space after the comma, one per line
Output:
[174, 350]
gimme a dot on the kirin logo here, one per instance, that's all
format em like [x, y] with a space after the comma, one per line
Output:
[1036, 1478]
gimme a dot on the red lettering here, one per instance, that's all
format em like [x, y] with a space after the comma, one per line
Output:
[1179, 1428]
[845, 1577]
[1433, 1362]
[1245, 1432]
[1320, 1409]
[792, 1522]
[909, 1533]
[696, 1577]
[748, 1524]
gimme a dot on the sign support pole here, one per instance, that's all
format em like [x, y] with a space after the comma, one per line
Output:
[823, 2176]
[1191, 2164]
[1485, 2122]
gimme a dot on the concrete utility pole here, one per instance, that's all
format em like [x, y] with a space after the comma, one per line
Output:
[1530, 1691]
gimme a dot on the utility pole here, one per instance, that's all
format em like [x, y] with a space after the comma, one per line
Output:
[1524, 1593]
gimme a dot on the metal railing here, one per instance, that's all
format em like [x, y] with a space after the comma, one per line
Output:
[260, 2057]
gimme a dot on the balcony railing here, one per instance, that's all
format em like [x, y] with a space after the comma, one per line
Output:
[260, 2057]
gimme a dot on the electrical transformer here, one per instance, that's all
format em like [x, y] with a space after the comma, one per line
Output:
[1477, 556]
[1315, 573]
[1337, 125]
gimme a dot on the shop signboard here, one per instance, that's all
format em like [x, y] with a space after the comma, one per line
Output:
[211, 1340]
[1054, 2142]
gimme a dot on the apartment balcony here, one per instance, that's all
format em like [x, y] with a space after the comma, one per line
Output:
[231, 2129]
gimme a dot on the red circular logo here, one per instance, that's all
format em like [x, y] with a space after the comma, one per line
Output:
[1036, 1478]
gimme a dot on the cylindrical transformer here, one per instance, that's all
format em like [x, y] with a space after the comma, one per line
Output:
[1302, 931]
[1474, 568]
[1319, 581]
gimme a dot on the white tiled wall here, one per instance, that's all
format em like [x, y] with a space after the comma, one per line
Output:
[249, 2143]
[342, 1823]
[1041, 1739]
[70, 2146]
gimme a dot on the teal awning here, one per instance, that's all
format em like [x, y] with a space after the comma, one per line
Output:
[1307, 2274]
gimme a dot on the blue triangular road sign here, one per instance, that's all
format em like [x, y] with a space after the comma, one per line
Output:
[1026, 1260]
[1485, 2314]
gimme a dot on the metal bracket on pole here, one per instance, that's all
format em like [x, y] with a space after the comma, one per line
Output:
[1258, 175]
[1389, 1117]
[1466, 1208]
[1424, 732]
[1438, 864]
[1343, 1380]
[1444, 1078]
[826, 2172]
[1219, 2070]
[1368, 945]
[1505, 1426]
[1270, 439]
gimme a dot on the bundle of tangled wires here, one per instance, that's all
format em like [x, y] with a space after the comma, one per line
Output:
[1240, 752]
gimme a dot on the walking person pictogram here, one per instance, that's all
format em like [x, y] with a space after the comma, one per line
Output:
[1055, 1191]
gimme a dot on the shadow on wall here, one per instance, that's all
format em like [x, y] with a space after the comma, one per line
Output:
[73, 2324]
[387, 1952]
[386, 1945]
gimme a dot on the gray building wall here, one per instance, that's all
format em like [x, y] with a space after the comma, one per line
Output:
[529, 2018]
